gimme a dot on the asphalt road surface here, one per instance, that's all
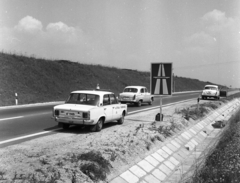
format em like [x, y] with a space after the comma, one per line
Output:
[27, 122]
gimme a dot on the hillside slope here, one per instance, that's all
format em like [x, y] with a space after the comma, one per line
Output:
[40, 80]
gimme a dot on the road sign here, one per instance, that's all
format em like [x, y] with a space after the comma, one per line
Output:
[161, 78]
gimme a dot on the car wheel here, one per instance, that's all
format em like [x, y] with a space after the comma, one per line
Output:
[97, 127]
[121, 120]
[65, 126]
[139, 103]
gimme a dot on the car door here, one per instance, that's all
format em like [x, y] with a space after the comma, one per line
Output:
[115, 107]
[108, 108]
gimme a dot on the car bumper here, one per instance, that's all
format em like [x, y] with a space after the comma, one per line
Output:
[74, 121]
[215, 96]
[128, 102]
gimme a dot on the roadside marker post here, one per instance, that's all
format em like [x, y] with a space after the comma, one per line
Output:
[161, 81]
[198, 99]
[16, 98]
[97, 87]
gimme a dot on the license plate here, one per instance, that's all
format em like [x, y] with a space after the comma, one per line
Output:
[71, 113]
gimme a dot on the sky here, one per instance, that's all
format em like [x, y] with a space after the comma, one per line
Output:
[200, 38]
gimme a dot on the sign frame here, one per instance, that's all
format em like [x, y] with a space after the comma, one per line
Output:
[164, 71]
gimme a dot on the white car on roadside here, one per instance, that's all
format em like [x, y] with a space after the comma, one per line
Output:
[136, 95]
[211, 91]
[91, 108]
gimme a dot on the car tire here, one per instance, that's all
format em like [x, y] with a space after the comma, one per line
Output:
[121, 120]
[97, 127]
[65, 126]
[139, 103]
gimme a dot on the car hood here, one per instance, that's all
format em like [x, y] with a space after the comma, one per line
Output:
[74, 107]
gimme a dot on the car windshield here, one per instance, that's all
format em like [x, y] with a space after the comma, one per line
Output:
[210, 88]
[133, 90]
[83, 98]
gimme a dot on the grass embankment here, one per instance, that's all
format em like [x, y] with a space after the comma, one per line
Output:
[40, 80]
[223, 163]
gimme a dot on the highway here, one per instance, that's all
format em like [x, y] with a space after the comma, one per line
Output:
[18, 124]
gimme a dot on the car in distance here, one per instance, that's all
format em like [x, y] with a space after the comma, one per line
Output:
[211, 91]
[91, 108]
[136, 95]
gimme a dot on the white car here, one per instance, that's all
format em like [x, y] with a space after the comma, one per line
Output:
[92, 108]
[211, 91]
[136, 95]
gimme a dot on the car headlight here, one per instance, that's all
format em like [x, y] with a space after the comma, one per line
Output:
[56, 112]
[86, 115]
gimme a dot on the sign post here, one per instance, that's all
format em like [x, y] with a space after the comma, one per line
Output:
[161, 81]
[161, 114]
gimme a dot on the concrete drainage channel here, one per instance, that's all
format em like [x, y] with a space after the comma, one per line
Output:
[177, 158]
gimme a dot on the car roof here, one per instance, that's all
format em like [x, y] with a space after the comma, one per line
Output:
[135, 87]
[95, 92]
[211, 86]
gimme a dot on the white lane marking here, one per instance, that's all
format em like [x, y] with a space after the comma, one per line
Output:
[41, 133]
[36, 114]
[3, 119]
[27, 136]
[159, 106]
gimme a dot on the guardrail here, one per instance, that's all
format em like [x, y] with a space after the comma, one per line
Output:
[59, 102]
[223, 94]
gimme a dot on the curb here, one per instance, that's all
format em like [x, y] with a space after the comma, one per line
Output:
[177, 157]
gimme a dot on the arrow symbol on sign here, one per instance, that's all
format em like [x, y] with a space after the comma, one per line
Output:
[159, 77]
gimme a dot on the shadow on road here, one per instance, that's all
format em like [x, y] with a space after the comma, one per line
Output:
[78, 129]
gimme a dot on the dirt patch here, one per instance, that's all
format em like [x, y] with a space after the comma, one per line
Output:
[80, 156]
